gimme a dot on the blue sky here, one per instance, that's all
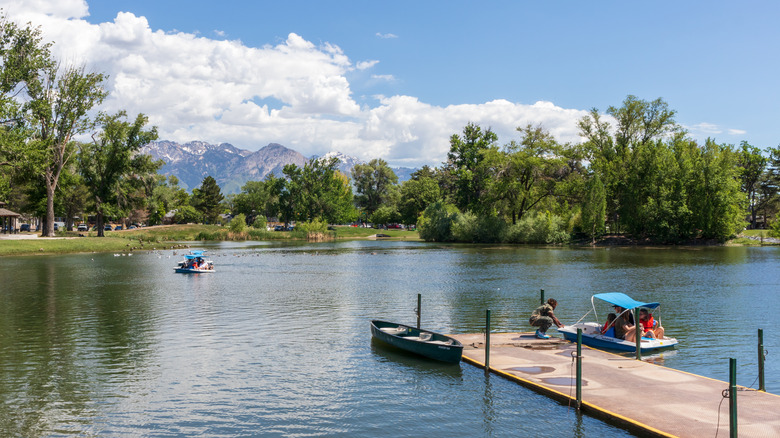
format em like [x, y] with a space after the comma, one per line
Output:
[401, 77]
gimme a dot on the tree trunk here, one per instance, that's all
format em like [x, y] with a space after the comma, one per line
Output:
[99, 222]
[48, 230]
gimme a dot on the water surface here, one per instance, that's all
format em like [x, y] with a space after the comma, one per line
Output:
[277, 342]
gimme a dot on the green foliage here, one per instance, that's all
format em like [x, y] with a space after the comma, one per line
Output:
[238, 223]
[187, 214]
[385, 215]
[315, 226]
[469, 227]
[539, 228]
[375, 183]
[594, 208]
[436, 222]
[111, 167]
[316, 191]
[417, 194]
[206, 199]
[465, 180]
[260, 222]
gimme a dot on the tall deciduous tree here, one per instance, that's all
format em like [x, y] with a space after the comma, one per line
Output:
[111, 163]
[464, 179]
[417, 194]
[60, 101]
[752, 164]
[375, 183]
[594, 208]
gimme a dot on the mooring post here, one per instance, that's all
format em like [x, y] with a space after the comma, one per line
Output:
[487, 342]
[733, 398]
[542, 297]
[579, 368]
[638, 326]
[419, 309]
[761, 386]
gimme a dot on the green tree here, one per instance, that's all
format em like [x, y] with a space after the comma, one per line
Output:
[417, 194]
[238, 223]
[60, 102]
[752, 165]
[375, 183]
[435, 224]
[111, 165]
[464, 178]
[638, 122]
[594, 208]
[207, 198]
[256, 199]
[386, 214]
[316, 192]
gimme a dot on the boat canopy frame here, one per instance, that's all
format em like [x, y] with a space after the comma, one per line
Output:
[622, 300]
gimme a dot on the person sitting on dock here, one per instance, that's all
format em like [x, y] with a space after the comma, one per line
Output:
[651, 328]
[543, 317]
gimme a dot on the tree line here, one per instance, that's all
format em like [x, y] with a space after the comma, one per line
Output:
[638, 173]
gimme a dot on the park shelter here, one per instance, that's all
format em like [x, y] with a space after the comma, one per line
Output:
[8, 219]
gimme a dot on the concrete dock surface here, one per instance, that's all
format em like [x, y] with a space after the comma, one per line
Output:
[644, 398]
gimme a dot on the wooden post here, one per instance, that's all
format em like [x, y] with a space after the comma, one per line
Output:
[419, 309]
[542, 296]
[487, 342]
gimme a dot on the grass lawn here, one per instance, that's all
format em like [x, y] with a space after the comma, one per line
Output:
[163, 236]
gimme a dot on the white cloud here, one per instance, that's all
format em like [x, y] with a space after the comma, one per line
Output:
[386, 36]
[388, 78]
[219, 33]
[196, 88]
[737, 132]
[705, 128]
[364, 65]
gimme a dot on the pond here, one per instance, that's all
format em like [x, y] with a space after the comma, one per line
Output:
[277, 341]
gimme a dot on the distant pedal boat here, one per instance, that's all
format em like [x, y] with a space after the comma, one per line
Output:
[419, 341]
[186, 266]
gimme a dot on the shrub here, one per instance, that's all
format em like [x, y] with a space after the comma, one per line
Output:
[540, 228]
[260, 222]
[435, 224]
[238, 223]
[469, 227]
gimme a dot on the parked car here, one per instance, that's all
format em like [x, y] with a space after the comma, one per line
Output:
[279, 228]
[82, 227]
[107, 227]
[118, 227]
[132, 227]
[56, 227]
[24, 227]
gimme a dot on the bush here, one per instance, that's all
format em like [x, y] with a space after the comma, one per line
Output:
[238, 223]
[435, 224]
[540, 228]
[469, 227]
[260, 222]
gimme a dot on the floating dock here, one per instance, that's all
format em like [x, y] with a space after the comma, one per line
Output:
[641, 397]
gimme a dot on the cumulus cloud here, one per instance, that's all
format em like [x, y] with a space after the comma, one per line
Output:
[196, 88]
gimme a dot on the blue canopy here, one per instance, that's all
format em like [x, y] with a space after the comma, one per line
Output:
[624, 301]
[192, 256]
[197, 252]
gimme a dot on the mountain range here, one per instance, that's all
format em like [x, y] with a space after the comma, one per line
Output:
[232, 167]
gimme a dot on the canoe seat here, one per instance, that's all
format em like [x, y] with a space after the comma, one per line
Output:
[447, 342]
[425, 336]
[393, 330]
